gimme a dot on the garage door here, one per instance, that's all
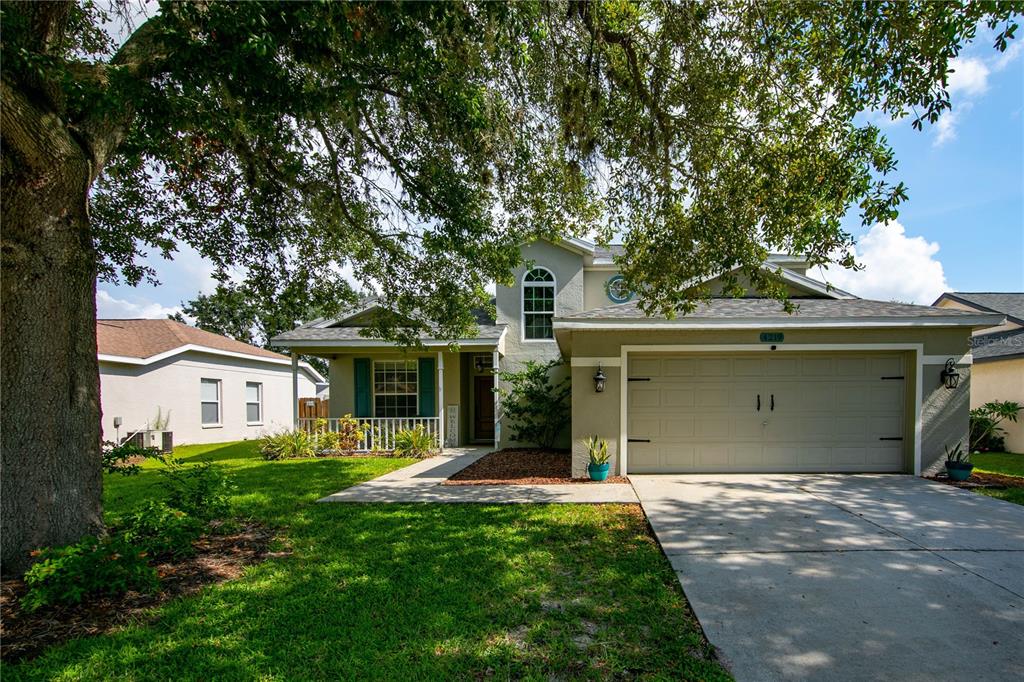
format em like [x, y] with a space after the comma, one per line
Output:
[766, 412]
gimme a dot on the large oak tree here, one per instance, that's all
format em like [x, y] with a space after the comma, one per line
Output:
[418, 144]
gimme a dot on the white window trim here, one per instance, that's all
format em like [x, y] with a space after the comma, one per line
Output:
[220, 403]
[259, 401]
[373, 387]
[522, 303]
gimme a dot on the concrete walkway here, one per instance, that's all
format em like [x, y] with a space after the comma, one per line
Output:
[421, 482]
[846, 577]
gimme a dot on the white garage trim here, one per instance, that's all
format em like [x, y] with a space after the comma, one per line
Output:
[917, 348]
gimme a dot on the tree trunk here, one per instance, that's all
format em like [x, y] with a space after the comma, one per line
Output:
[51, 480]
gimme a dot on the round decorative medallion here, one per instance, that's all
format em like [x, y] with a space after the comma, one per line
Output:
[617, 291]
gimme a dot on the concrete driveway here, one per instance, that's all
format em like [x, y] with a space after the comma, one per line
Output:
[846, 577]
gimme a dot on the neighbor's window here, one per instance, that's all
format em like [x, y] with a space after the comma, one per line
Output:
[394, 388]
[209, 395]
[253, 402]
[538, 304]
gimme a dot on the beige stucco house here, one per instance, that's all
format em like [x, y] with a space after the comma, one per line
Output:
[739, 385]
[998, 370]
[209, 388]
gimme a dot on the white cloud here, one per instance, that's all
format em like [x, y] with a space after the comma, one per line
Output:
[968, 80]
[969, 76]
[897, 267]
[108, 307]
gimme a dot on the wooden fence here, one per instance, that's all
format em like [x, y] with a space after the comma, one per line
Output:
[313, 408]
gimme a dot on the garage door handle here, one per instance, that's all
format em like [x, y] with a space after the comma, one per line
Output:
[638, 440]
[773, 402]
[758, 402]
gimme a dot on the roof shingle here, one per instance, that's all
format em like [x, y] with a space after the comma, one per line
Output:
[146, 338]
[807, 308]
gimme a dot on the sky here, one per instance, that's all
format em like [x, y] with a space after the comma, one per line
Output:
[962, 228]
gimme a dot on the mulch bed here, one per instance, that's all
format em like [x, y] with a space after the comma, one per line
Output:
[218, 558]
[983, 480]
[522, 466]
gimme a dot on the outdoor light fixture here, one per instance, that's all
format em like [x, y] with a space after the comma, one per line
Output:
[599, 380]
[478, 361]
[950, 377]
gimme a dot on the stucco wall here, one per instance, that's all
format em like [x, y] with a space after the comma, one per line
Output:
[1001, 380]
[567, 267]
[944, 412]
[134, 392]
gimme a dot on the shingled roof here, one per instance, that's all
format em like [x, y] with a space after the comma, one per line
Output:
[998, 345]
[146, 338]
[807, 309]
[1008, 303]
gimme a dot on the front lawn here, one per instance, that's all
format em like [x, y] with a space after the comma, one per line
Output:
[407, 592]
[1006, 464]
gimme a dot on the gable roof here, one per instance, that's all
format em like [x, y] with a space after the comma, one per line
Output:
[1010, 304]
[332, 331]
[759, 312]
[141, 342]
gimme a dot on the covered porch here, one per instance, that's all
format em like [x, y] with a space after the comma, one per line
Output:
[450, 393]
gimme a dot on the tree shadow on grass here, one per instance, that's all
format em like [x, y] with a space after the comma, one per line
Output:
[424, 591]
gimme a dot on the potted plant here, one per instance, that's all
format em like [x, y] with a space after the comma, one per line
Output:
[597, 448]
[958, 463]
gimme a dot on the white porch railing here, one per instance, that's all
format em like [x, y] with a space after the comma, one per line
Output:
[378, 432]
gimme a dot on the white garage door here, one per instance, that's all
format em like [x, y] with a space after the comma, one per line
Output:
[781, 412]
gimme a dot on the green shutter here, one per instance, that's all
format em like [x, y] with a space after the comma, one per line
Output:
[364, 402]
[426, 379]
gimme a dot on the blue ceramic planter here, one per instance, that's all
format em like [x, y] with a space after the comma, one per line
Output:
[598, 472]
[959, 471]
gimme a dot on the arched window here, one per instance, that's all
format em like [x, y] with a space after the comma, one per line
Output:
[538, 304]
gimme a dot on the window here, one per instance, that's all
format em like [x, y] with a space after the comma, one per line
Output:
[209, 396]
[394, 388]
[538, 304]
[253, 402]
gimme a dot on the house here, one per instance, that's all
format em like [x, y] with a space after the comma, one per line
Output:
[843, 384]
[998, 370]
[210, 388]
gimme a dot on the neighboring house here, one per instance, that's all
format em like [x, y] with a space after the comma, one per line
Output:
[843, 384]
[998, 371]
[213, 388]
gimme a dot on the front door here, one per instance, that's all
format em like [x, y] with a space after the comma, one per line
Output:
[483, 407]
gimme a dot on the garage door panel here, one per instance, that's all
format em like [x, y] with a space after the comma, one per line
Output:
[715, 398]
[645, 398]
[679, 367]
[714, 367]
[679, 397]
[700, 413]
[681, 427]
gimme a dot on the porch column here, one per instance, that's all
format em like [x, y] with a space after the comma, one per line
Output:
[440, 398]
[295, 390]
[495, 358]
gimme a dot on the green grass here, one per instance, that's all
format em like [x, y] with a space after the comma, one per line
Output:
[1005, 463]
[406, 592]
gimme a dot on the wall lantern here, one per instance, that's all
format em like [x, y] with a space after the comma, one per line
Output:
[950, 377]
[599, 380]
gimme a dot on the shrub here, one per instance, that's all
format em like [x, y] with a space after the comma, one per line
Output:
[160, 530]
[536, 410]
[65, 575]
[345, 436]
[287, 445]
[201, 490]
[986, 434]
[415, 442]
[117, 458]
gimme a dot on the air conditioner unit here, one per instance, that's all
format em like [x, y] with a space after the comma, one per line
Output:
[161, 440]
